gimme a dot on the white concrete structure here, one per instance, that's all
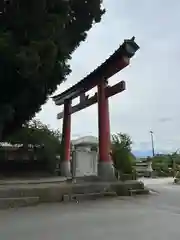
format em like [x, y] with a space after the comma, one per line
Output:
[85, 156]
[144, 168]
[86, 140]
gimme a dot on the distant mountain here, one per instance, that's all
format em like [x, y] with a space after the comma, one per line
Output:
[142, 153]
[148, 153]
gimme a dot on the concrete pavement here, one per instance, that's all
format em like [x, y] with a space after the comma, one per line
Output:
[157, 181]
[148, 217]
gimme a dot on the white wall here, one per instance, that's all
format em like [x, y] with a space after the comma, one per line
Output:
[85, 162]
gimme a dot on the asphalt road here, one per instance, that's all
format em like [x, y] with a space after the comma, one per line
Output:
[147, 217]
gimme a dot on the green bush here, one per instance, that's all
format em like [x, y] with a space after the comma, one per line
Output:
[122, 157]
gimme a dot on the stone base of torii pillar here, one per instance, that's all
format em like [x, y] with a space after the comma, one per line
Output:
[106, 171]
[66, 169]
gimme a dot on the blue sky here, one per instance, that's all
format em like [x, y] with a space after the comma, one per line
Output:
[152, 99]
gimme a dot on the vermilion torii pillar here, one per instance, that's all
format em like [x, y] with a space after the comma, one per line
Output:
[105, 165]
[99, 77]
[66, 140]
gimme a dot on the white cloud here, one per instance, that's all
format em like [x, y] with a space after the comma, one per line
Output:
[152, 79]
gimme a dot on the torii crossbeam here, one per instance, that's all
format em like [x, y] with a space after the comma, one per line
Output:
[99, 77]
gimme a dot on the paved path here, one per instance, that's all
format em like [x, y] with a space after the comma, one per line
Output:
[146, 217]
[157, 181]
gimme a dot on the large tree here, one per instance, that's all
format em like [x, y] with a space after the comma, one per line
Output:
[37, 39]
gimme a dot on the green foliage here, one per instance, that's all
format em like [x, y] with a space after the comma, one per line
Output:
[175, 158]
[160, 163]
[37, 39]
[121, 153]
[166, 164]
[40, 136]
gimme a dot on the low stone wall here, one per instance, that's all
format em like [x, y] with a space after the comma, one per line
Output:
[55, 192]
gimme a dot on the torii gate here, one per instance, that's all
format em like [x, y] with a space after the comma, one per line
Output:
[99, 77]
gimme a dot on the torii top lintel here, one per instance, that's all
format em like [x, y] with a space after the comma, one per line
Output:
[116, 62]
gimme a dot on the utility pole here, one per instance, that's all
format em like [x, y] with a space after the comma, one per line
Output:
[152, 143]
